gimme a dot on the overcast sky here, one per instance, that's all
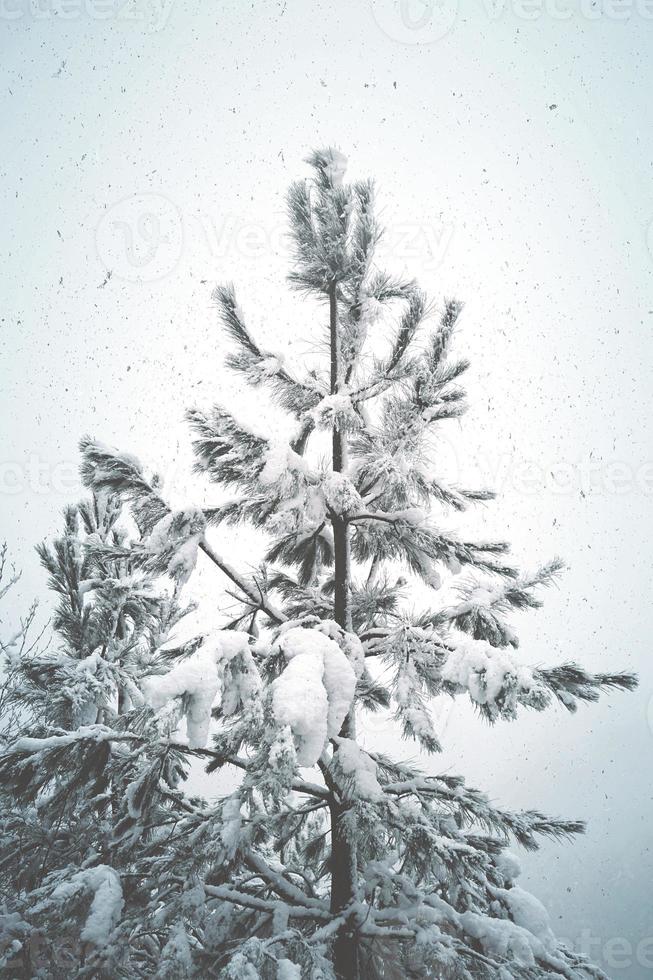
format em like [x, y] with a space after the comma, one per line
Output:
[147, 148]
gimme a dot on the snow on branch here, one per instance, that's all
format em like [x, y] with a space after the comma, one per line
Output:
[227, 451]
[259, 366]
[355, 772]
[390, 477]
[106, 906]
[314, 692]
[427, 663]
[497, 683]
[494, 680]
[235, 897]
[404, 536]
[276, 480]
[332, 227]
[104, 468]
[27, 745]
[409, 324]
[173, 542]
[571, 683]
[337, 412]
[384, 286]
[223, 663]
[483, 604]
[340, 494]
[412, 707]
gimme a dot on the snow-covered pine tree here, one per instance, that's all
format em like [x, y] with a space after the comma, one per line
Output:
[68, 783]
[312, 857]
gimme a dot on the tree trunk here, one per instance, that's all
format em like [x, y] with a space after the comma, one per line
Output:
[342, 561]
[343, 829]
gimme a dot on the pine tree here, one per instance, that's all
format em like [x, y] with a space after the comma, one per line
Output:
[326, 860]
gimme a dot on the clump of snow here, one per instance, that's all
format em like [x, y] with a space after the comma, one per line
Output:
[509, 865]
[300, 701]
[134, 804]
[523, 940]
[335, 167]
[314, 693]
[197, 678]
[176, 959]
[341, 495]
[488, 673]
[267, 367]
[529, 913]
[130, 460]
[223, 662]
[231, 824]
[89, 683]
[241, 682]
[413, 711]
[481, 596]
[501, 937]
[240, 968]
[336, 411]
[359, 770]
[349, 643]
[411, 515]
[107, 903]
[96, 448]
[168, 531]
[182, 564]
[177, 536]
[287, 970]
[280, 462]
[282, 756]
[354, 651]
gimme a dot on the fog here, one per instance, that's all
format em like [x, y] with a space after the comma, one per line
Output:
[147, 148]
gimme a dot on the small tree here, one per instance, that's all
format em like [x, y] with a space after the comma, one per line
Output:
[326, 860]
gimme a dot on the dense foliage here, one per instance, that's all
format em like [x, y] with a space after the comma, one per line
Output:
[309, 856]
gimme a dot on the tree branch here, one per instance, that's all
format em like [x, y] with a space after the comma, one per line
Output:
[259, 600]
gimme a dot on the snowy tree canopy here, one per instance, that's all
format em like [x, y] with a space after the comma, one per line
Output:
[309, 856]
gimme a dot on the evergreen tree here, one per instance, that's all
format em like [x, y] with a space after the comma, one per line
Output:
[326, 860]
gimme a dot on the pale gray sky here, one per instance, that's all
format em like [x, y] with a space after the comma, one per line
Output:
[512, 146]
